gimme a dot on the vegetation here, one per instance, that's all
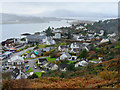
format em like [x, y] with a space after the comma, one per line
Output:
[38, 74]
[30, 70]
[49, 32]
[51, 59]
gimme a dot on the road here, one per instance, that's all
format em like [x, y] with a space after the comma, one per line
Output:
[22, 52]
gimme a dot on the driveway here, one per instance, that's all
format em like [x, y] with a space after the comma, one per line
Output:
[31, 63]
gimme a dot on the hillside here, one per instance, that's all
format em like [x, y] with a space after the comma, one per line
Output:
[101, 75]
[17, 19]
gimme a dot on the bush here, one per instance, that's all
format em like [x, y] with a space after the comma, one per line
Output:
[62, 75]
[71, 67]
[108, 75]
[33, 76]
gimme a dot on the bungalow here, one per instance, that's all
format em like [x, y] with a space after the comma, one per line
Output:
[76, 47]
[48, 41]
[57, 34]
[111, 35]
[48, 49]
[65, 55]
[63, 48]
[42, 61]
[80, 27]
[52, 66]
[104, 40]
[75, 36]
[63, 67]
[81, 63]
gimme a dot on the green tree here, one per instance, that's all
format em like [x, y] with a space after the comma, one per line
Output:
[109, 42]
[71, 67]
[84, 54]
[49, 32]
[105, 33]
[62, 75]
[69, 34]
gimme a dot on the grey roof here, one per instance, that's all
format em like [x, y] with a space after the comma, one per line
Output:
[50, 65]
[42, 59]
[15, 72]
[62, 66]
[35, 37]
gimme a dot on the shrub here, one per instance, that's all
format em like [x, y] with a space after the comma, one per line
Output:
[108, 75]
[71, 67]
[33, 76]
[62, 75]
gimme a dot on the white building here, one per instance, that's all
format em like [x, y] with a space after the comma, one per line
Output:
[104, 40]
[48, 41]
[65, 55]
[16, 61]
[81, 63]
[57, 34]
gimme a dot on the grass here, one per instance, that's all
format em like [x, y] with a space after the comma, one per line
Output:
[27, 52]
[30, 70]
[94, 60]
[70, 62]
[118, 46]
[38, 74]
[36, 60]
[51, 59]
[42, 46]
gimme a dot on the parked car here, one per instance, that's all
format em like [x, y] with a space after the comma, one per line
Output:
[34, 67]
[26, 61]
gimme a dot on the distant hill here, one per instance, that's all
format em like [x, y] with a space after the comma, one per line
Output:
[16, 19]
[108, 25]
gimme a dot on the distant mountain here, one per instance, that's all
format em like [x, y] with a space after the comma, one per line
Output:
[14, 19]
[70, 13]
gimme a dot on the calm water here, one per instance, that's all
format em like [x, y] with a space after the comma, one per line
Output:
[14, 30]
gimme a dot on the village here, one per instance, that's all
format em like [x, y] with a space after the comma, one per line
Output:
[55, 49]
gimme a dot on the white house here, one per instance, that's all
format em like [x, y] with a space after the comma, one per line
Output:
[111, 35]
[63, 48]
[74, 45]
[65, 55]
[80, 27]
[52, 66]
[48, 41]
[104, 40]
[33, 55]
[57, 34]
[81, 63]
[16, 61]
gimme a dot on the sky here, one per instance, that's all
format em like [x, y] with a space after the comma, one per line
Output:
[62, 8]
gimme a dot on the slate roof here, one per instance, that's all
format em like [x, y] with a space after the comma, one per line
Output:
[50, 64]
[15, 72]
[35, 37]
[42, 59]
[62, 66]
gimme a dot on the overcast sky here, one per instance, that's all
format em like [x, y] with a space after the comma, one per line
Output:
[62, 8]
